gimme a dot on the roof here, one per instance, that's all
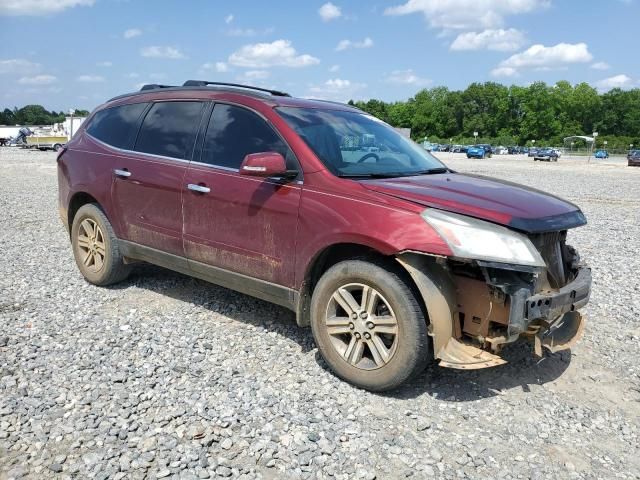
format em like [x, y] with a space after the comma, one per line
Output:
[272, 97]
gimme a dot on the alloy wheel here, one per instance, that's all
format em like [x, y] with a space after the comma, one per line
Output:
[91, 245]
[362, 326]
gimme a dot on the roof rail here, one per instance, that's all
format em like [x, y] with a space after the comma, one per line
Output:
[153, 86]
[204, 83]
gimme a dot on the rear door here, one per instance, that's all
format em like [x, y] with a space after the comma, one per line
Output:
[238, 223]
[147, 187]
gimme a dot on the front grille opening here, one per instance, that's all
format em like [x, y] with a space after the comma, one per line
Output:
[553, 249]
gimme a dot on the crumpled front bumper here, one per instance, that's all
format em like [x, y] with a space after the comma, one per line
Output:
[549, 317]
[561, 325]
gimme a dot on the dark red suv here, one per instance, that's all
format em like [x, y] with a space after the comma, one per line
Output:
[391, 257]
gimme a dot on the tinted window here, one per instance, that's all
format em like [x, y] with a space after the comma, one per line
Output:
[235, 132]
[117, 125]
[169, 129]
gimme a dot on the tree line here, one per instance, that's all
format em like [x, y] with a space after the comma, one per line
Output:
[34, 115]
[516, 115]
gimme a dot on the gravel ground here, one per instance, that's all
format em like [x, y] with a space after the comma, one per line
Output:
[165, 376]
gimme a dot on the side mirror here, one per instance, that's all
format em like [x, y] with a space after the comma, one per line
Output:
[264, 164]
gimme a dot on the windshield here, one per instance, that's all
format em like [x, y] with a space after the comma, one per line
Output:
[353, 144]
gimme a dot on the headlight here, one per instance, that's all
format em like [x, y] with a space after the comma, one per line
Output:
[475, 239]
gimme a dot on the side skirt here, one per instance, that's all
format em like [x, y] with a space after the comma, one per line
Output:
[271, 292]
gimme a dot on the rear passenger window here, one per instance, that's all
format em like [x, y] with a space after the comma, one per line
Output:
[117, 126]
[169, 129]
[235, 132]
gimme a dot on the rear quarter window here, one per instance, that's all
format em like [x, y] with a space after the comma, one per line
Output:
[117, 126]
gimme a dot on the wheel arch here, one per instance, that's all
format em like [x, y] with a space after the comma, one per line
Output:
[338, 252]
[76, 202]
[320, 263]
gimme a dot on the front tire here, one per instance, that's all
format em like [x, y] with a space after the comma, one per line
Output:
[95, 247]
[368, 324]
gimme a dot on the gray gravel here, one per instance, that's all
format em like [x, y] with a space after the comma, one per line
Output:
[165, 376]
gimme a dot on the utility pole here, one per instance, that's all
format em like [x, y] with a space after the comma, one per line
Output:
[71, 112]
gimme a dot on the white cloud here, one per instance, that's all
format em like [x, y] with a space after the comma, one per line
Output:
[346, 44]
[600, 66]
[544, 58]
[218, 67]
[329, 12]
[38, 80]
[131, 33]
[162, 52]
[39, 7]
[336, 89]
[617, 81]
[251, 75]
[132, 75]
[104, 64]
[248, 32]
[90, 79]
[228, 19]
[466, 14]
[500, 39]
[334, 68]
[406, 77]
[504, 72]
[279, 53]
[18, 66]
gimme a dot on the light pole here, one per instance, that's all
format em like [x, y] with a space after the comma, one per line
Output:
[71, 112]
[475, 136]
[593, 144]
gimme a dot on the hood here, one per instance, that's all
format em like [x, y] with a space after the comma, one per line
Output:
[498, 201]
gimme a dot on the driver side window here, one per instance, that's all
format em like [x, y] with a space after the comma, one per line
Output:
[235, 132]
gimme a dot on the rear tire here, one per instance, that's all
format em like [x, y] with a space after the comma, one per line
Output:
[379, 340]
[96, 248]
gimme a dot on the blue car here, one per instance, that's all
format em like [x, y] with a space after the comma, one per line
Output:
[479, 151]
[602, 154]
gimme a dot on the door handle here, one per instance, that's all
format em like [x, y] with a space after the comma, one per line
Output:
[198, 188]
[122, 173]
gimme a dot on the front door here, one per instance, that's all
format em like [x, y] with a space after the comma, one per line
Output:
[148, 183]
[240, 224]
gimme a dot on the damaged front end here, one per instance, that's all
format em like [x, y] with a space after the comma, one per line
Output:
[475, 307]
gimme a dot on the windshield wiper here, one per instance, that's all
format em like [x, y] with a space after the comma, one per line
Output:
[371, 175]
[430, 171]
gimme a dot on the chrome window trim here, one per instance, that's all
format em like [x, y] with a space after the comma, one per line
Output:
[135, 152]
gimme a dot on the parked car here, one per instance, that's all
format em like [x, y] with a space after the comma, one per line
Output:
[501, 150]
[633, 158]
[601, 154]
[482, 150]
[389, 256]
[558, 152]
[533, 152]
[546, 155]
[476, 151]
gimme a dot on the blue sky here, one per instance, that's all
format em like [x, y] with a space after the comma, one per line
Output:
[78, 53]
